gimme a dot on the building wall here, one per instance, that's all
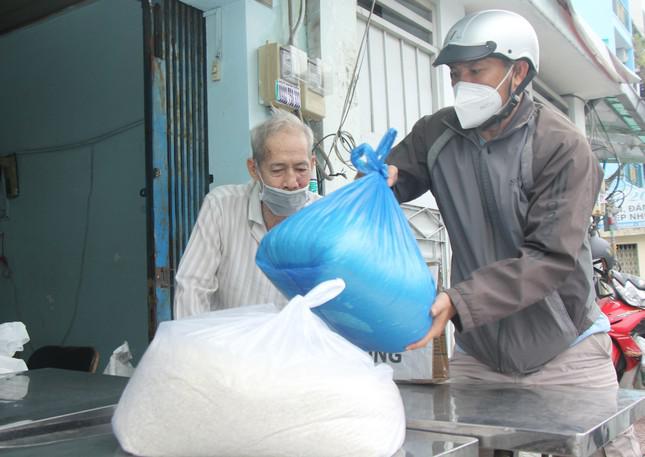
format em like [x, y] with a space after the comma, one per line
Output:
[613, 32]
[629, 220]
[75, 239]
[637, 13]
[338, 48]
[629, 237]
[237, 29]
[228, 99]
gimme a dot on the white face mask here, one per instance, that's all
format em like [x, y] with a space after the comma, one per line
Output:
[282, 202]
[476, 103]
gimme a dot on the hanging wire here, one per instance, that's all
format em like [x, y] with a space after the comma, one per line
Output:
[600, 141]
[301, 15]
[326, 162]
[86, 230]
[79, 144]
[342, 139]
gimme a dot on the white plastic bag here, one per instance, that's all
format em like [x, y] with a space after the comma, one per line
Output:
[255, 381]
[13, 335]
[119, 363]
[13, 386]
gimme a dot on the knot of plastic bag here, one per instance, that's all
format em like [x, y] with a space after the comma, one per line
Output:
[324, 292]
[366, 160]
[320, 294]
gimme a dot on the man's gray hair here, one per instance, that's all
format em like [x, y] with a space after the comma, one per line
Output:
[279, 121]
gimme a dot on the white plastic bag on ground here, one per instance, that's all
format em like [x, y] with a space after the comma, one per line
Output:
[13, 335]
[252, 381]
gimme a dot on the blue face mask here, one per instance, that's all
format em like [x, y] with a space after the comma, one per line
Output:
[282, 202]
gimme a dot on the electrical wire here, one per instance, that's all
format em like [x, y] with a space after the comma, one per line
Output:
[79, 144]
[599, 133]
[301, 16]
[341, 138]
[320, 152]
[81, 273]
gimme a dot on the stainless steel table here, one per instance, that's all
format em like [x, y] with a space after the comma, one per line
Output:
[548, 420]
[67, 413]
[98, 441]
[48, 392]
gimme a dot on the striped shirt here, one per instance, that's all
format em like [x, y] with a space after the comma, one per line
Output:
[218, 269]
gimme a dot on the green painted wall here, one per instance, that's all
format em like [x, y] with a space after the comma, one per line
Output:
[75, 238]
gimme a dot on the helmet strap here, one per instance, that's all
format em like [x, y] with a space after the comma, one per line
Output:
[511, 103]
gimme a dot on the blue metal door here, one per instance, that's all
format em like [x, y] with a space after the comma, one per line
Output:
[176, 140]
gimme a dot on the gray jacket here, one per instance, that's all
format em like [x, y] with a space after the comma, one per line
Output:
[517, 211]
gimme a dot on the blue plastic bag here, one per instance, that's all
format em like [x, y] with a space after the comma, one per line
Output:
[360, 234]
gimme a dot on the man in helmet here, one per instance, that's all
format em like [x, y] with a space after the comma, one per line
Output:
[515, 183]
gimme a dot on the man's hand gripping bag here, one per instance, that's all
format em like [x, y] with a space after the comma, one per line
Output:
[360, 234]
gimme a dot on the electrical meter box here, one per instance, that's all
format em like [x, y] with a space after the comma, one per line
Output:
[288, 78]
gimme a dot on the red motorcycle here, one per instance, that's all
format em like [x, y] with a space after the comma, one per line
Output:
[621, 297]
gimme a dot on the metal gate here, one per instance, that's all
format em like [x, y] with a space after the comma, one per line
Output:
[627, 256]
[176, 140]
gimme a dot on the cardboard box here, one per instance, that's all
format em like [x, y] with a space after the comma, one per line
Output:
[428, 365]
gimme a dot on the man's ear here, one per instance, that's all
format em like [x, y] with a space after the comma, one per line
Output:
[253, 171]
[521, 69]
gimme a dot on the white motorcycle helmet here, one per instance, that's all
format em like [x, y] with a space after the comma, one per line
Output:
[496, 33]
[493, 33]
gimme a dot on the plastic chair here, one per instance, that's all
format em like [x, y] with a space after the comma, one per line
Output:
[78, 358]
